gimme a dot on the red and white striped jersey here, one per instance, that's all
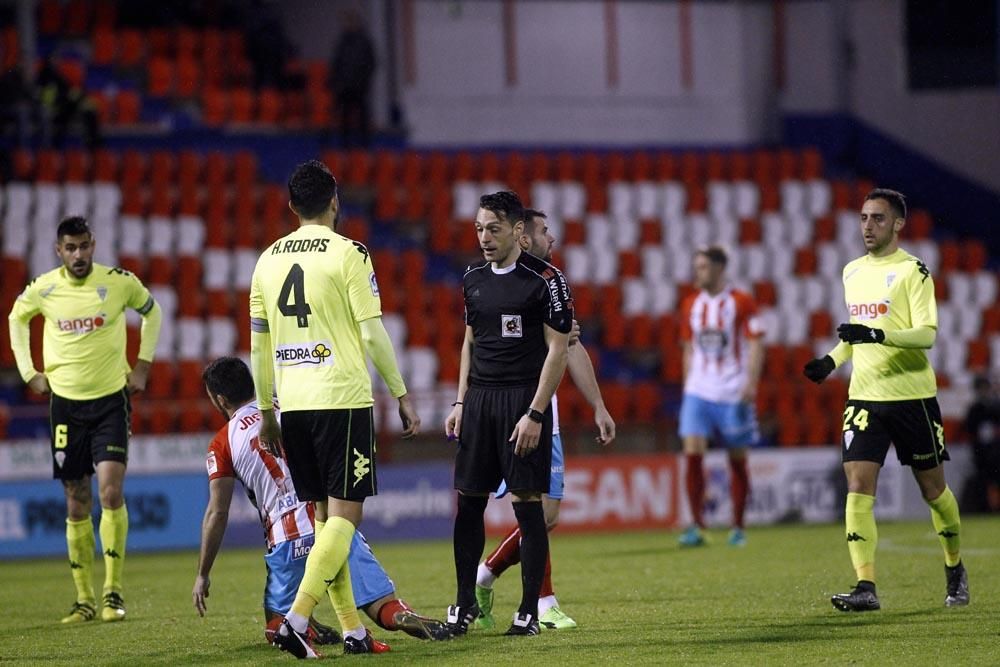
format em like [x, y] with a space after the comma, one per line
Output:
[235, 451]
[718, 328]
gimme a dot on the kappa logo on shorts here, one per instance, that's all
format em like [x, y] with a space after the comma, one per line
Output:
[304, 354]
[510, 326]
[361, 466]
[848, 439]
[939, 431]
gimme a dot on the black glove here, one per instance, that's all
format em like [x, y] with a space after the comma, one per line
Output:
[817, 369]
[859, 333]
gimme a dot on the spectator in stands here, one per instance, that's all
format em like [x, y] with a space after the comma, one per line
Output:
[351, 72]
[982, 423]
[267, 45]
[61, 103]
[17, 105]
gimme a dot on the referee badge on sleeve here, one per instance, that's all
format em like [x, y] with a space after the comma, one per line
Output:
[510, 326]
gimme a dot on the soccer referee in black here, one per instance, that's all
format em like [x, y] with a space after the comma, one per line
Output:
[518, 315]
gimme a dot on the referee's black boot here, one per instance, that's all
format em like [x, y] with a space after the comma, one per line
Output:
[524, 625]
[459, 618]
[862, 598]
[958, 586]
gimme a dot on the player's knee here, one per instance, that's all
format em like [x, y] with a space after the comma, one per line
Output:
[111, 496]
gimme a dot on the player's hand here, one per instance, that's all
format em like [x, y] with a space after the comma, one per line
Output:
[136, 380]
[270, 433]
[605, 426]
[855, 334]
[39, 384]
[453, 424]
[200, 592]
[817, 369]
[408, 415]
[525, 436]
[574, 334]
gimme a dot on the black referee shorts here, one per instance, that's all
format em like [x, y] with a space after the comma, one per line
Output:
[485, 454]
[913, 427]
[84, 433]
[330, 453]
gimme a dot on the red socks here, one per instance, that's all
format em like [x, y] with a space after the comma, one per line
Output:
[389, 610]
[739, 488]
[695, 481]
[507, 553]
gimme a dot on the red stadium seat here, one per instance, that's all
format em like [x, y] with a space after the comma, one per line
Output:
[48, 166]
[750, 231]
[974, 255]
[133, 172]
[269, 103]
[539, 167]
[131, 48]
[162, 166]
[639, 166]
[812, 164]
[824, 229]
[739, 166]
[242, 105]
[805, 261]
[566, 167]
[820, 324]
[127, 107]
[77, 166]
[162, 380]
[641, 332]
[188, 77]
[187, 43]
[691, 169]
[979, 355]
[715, 166]
[765, 293]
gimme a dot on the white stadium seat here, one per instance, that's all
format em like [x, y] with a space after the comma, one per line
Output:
[423, 368]
[673, 200]
[161, 236]
[621, 198]
[218, 264]
[577, 268]
[133, 240]
[395, 326]
[190, 338]
[77, 199]
[190, 235]
[107, 199]
[819, 198]
[675, 232]
[605, 265]
[635, 297]
[984, 293]
[598, 230]
[747, 199]
[465, 195]
[654, 261]
[662, 295]
[648, 202]
[222, 337]
[701, 230]
[244, 261]
[755, 260]
[625, 231]
[720, 199]
[544, 197]
[572, 200]
[793, 198]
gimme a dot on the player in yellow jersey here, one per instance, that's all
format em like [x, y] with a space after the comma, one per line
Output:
[315, 315]
[89, 381]
[892, 397]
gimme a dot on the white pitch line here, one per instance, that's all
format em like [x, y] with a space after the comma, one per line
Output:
[889, 545]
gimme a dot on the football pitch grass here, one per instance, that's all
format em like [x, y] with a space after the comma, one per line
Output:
[639, 599]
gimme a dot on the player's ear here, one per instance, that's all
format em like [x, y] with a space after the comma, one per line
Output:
[292, 208]
[899, 224]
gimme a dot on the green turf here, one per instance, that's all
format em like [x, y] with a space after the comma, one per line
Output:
[638, 598]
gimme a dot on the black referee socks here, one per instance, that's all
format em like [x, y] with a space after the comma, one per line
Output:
[534, 553]
[469, 541]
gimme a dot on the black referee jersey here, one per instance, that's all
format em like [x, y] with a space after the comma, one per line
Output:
[506, 309]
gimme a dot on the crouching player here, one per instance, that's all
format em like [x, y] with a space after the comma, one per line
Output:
[235, 453]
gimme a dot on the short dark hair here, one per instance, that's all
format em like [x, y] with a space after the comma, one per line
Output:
[506, 205]
[896, 200]
[310, 189]
[74, 225]
[229, 377]
[529, 219]
[715, 254]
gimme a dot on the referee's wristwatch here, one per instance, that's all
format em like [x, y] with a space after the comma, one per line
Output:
[535, 415]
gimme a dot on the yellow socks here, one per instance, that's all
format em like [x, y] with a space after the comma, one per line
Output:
[862, 534]
[947, 524]
[327, 568]
[80, 544]
[114, 531]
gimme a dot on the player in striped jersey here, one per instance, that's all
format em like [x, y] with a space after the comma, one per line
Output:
[236, 453]
[723, 356]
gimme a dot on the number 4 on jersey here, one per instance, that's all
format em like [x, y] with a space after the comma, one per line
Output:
[860, 419]
[292, 299]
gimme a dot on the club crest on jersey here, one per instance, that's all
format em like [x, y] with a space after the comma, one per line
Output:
[304, 354]
[510, 326]
[102, 292]
[869, 311]
[889, 277]
[60, 458]
[82, 325]
[211, 464]
[848, 439]
[374, 283]
[47, 291]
